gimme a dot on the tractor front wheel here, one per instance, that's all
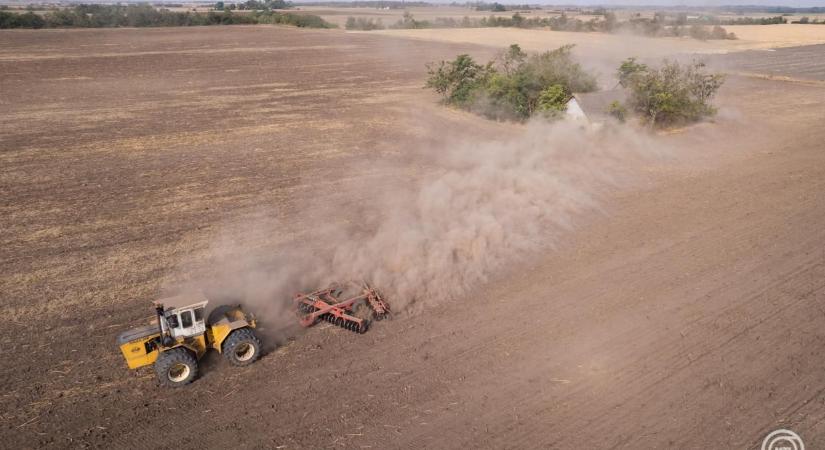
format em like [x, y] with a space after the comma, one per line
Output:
[176, 367]
[242, 347]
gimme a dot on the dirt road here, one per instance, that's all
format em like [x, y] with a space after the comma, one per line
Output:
[687, 315]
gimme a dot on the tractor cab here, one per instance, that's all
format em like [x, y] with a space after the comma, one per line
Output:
[183, 315]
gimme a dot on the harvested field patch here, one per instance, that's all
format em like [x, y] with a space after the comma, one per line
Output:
[685, 313]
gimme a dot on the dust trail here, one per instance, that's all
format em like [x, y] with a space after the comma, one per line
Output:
[489, 208]
[482, 209]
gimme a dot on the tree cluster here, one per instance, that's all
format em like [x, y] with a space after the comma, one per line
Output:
[494, 7]
[608, 24]
[659, 26]
[672, 94]
[363, 24]
[752, 21]
[808, 20]
[254, 5]
[517, 86]
[378, 4]
[514, 86]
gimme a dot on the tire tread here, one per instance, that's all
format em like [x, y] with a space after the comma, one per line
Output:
[236, 337]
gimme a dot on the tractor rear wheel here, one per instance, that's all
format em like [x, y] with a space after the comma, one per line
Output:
[242, 347]
[176, 367]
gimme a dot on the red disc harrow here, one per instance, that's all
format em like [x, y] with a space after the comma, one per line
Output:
[353, 313]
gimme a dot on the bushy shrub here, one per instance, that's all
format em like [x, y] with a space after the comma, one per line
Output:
[628, 69]
[360, 23]
[617, 110]
[718, 32]
[458, 80]
[297, 20]
[25, 20]
[553, 100]
[514, 86]
[558, 67]
[672, 94]
[408, 22]
[521, 80]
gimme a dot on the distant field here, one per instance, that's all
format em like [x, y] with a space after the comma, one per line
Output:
[338, 15]
[803, 64]
[750, 37]
[390, 16]
[774, 36]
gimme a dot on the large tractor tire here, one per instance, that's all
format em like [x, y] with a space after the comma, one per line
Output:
[176, 367]
[242, 347]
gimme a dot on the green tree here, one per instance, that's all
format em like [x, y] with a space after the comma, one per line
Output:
[553, 100]
[515, 85]
[512, 59]
[458, 79]
[628, 70]
[671, 94]
[558, 67]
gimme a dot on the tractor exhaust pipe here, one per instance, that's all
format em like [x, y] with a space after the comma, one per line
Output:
[164, 339]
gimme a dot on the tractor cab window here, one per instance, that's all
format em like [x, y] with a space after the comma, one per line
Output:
[186, 319]
[187, 322]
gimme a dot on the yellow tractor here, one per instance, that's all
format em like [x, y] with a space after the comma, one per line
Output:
[182, 335]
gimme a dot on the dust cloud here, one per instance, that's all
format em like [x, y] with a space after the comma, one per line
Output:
[488, 208]
[481, 210]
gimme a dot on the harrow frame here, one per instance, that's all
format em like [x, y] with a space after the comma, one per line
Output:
[325, 304]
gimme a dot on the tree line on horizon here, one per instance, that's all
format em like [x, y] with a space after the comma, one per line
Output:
[656, 27]
[144, 15]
